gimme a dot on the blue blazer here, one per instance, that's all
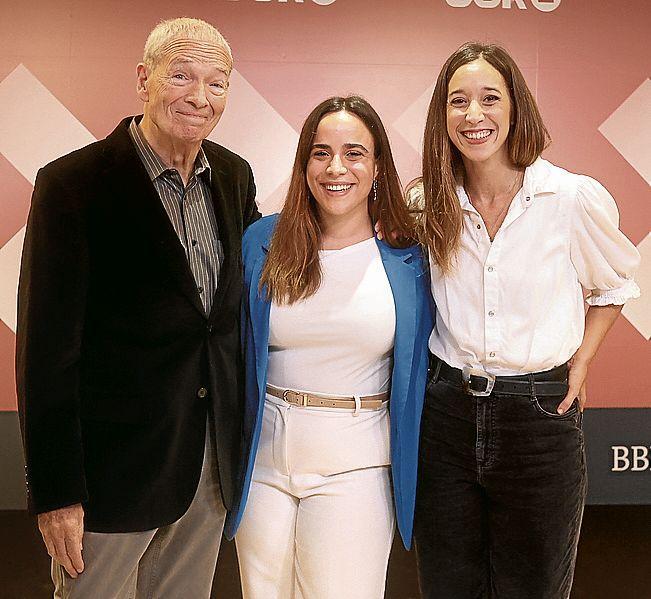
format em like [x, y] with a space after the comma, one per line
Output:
[409, 283]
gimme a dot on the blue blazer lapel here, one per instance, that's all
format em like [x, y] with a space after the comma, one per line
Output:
[259, 307]
[402, 279]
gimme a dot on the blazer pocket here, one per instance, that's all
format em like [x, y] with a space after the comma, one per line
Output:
[109, 406]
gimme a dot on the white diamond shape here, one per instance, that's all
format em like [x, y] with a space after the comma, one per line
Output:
[35, 128]
[274, 202]
[9, 270]
[638, 311]
[254, 129]
[629, 130]
[411, 123]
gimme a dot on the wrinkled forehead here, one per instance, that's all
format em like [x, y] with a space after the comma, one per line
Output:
[188, 50]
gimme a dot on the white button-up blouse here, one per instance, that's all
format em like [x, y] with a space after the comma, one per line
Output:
[515, 305]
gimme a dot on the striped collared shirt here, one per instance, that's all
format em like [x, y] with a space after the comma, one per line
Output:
[191, 212]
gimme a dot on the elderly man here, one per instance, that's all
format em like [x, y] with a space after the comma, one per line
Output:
[127, 352]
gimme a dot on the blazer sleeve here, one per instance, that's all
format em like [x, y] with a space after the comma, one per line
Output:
[51, 305]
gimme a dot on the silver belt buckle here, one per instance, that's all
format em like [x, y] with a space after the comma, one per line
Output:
[468, 371]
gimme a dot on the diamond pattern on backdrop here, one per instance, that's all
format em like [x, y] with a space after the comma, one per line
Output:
[9, 270]
[252, 128]
[411, 123]
[638, 312]
[629, 130]
[35, 128]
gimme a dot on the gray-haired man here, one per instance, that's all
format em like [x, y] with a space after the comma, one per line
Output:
[127, 356]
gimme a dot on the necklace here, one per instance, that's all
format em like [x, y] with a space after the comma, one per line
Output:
[494, 222]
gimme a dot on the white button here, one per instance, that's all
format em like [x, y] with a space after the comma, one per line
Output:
[492, 354]
[491, 313]
[490, 269]
[528, 199]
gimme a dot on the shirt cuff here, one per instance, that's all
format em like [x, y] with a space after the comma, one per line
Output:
[619, 296]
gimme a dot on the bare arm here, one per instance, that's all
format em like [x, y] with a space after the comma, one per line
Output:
[598, 321]
[62, 532]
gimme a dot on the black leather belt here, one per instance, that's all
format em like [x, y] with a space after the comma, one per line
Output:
[477, 382]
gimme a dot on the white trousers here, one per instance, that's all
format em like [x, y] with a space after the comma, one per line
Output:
[170, 562]
[319, 521]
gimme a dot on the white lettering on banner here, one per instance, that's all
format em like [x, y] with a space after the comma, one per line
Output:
[620, 458]
[634, 458]
[319, 2]
[546, 5]
[640, 458]
[541, 5]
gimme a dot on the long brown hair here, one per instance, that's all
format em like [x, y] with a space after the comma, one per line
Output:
[292, 270]
[442, 164]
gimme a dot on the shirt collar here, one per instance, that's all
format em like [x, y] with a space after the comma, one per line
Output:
[538, 180]
[464, 200]
[153, 163]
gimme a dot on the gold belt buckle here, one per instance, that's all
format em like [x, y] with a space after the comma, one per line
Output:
[302, 397]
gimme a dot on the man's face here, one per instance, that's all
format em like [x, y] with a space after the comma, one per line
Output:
[185, 92]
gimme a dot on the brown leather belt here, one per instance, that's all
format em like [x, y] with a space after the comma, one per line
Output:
[314, 400]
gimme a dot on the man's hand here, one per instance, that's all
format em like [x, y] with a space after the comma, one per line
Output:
[576, 386]
[62, 532]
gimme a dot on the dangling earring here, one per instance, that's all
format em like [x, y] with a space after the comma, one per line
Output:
[374, 190]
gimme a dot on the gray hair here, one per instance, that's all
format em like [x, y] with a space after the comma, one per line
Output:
[183, 28]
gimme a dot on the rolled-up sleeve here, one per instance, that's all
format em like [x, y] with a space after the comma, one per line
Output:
[605, 259]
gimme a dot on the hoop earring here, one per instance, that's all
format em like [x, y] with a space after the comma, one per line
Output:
[374, 190]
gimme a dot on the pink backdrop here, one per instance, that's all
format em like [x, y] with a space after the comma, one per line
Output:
[67, 75]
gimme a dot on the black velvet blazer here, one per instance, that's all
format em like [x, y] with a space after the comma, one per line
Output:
[117, 362]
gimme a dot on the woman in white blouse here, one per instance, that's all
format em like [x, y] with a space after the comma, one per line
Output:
[513, 241]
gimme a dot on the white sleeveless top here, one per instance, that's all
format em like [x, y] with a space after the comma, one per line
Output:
[340, 340]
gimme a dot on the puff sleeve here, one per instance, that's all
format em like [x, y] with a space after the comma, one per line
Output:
[604, 258]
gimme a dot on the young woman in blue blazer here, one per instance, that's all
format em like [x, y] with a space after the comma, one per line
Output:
[335, 325]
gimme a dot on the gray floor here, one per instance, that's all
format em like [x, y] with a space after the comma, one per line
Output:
[12, 468]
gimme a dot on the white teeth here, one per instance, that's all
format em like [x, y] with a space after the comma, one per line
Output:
[344, 187]
[477, 134]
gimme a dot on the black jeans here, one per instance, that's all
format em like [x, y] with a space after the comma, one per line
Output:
[501, 490]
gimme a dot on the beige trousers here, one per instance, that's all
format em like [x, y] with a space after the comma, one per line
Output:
[171, 562]
[319, 520]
